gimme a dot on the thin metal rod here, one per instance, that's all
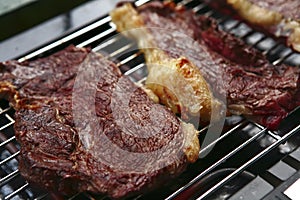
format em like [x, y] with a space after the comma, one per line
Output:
[121, 50]
[203, 129]
[271, 133]
[141, 82]
[198, 7]
[80, 32]
[74, 35]
[16, 191]
[237, 23]
[259, 41]
[4, 110]
[129, 58]
[108, 42]
[8, 124]
[247, 164]
[140, 2]
[132, 70]
[208, 13]
[247, 34]
[267, 51]
[9, 177]
[97, 37]
[281, 59]
[220, 161]
[184, 2]
[9, 158]
[10, 118]
[223, 136]
[7, 141]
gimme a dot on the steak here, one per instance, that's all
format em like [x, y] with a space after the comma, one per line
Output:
[279, 18]
[83, 127]
[174, 79]
[238, 75]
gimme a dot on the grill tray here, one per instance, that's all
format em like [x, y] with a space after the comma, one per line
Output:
[244, 151]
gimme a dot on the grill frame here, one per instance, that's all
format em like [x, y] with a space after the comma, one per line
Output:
[104, 30]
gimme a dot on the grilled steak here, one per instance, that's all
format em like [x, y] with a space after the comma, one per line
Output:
[242, 75]
[174, 79]
[280, 18]
[83, 127]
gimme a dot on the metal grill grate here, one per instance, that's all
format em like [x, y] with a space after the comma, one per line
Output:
[241, 146]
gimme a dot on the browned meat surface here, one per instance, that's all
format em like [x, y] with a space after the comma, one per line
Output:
[174, 79]
[278, 18]
[242, 75]
[288, 8]
[83, 127]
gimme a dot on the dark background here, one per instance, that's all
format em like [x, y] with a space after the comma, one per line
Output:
[28, 24]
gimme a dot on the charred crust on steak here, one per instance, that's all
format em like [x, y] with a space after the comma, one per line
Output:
[53, 152]
[234, 71]
[279, 19]
[171, 76]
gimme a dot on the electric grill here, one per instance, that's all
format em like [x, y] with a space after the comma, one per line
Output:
[247, 161]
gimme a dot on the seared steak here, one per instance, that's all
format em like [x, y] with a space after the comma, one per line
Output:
[83, 127]
[280, 18]
[172, 77]
[235, 72]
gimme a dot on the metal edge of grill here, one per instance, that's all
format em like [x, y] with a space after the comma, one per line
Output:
[108, 41]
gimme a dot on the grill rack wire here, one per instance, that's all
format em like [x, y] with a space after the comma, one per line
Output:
[13, 186]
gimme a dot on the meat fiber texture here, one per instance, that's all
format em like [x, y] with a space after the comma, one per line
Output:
[83, 127]
[238, 75]
[278, 18]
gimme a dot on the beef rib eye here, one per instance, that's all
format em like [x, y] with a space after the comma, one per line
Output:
[83, 127]
[238, 75]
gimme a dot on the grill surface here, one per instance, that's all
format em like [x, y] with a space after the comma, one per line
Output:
[245, 151]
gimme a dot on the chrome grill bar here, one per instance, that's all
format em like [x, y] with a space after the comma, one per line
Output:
[14, 193]
[216, 164]
[8, 140]
[250, 162]
[9, 177]
[11, 122]
[227, 134]
[66, 39]
[13, 156]
[97, 37]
